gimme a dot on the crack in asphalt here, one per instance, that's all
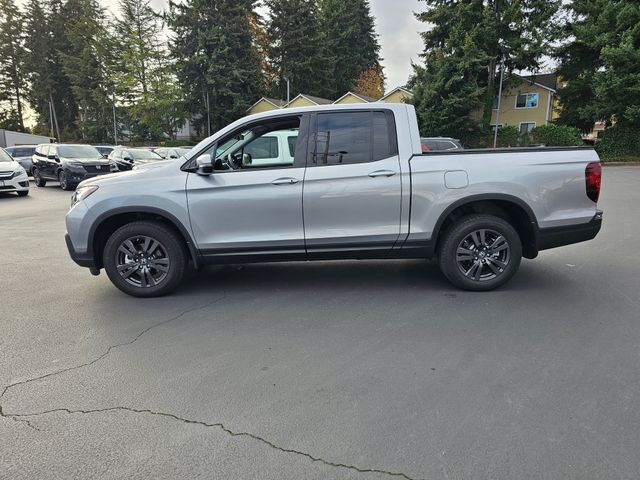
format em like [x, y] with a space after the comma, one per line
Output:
[217, 425]
[22, 417]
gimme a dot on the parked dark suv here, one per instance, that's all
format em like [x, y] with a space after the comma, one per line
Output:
[126, 158]
[68, 164]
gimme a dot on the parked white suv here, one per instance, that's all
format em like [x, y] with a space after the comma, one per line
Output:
[13, 178]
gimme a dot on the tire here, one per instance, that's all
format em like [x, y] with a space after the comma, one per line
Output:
[39, 181]
[23, 193]
[144, 274]
[480, 252]
[64, 181]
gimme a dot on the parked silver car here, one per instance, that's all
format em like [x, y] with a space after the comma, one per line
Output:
[357, 186]
[22, 154]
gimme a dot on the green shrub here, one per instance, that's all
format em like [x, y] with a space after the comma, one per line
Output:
[556, 136]
[619, 143]
[508, 136]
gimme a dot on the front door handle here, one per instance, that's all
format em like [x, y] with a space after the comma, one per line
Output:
[382, 173]
[285, 181]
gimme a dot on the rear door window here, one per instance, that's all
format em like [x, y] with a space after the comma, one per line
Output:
[343, 138]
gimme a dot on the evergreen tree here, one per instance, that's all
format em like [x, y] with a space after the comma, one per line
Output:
[12, 55]
[143, 76]
[468, 38]
[216, 58]
[86, 62]
[349, 33]
[299, 49]
[45, 70]
[600, 63]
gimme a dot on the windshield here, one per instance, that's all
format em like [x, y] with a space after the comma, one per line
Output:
[144, 155]
[4, 156]
[78, 151]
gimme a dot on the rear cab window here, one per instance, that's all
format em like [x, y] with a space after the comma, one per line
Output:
[353, 137]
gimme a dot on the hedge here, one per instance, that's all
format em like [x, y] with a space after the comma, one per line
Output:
[552, 135]
[619, 143]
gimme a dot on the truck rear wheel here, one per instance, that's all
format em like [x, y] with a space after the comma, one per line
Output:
[480, 252]
[145, 259]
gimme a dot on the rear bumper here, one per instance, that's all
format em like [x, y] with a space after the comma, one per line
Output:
[570, 234]
[83, 259]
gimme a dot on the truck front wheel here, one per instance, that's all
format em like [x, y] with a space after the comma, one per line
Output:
[145, 259]
[480, 252]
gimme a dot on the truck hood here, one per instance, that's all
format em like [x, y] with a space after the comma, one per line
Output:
[139, 173]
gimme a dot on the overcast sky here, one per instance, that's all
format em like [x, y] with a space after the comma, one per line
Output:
[396, 25]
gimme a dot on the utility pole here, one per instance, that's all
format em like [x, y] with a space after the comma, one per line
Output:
[495, 129]
[115, 127]
[51, 119]
[55, 118]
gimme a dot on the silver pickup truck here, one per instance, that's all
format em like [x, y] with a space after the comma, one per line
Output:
[353, 184]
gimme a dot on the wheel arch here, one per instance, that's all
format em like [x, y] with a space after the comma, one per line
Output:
[110, 221]
[512, 209]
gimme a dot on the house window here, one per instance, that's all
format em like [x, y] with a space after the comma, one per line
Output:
[493, 126]
[527, 100]
[526, 127]
[495, 102]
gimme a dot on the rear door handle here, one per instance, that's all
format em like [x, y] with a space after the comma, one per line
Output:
[285, 181]
[382, 173]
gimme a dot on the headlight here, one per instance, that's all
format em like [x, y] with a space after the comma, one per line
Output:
[19, 172]
[113, 166]
[82, 192]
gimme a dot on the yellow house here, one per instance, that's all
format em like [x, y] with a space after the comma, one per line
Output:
[528, 102]
[352, 97]
[397, 95]
[265, 104]
[303, 100]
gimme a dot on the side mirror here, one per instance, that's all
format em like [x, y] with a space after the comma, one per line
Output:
[53, 157]
[246, 159]
[204, 165]
[128, 159]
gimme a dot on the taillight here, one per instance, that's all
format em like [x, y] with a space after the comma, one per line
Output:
[593, 179]
[425, 149]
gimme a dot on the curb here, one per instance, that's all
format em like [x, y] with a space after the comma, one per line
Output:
[620, 164]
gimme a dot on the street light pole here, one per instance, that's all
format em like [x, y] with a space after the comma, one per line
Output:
[495, 128]
[288, 89]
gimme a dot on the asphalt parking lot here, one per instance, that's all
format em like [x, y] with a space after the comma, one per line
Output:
[330, 370]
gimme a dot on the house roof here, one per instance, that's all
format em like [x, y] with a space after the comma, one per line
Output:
[544, 80]
[273, 101]
[402, 89]
[362, 97]
[316, 100]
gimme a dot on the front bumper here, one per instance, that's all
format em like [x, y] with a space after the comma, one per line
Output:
[83, 259]
[15, 184]
[570, 234]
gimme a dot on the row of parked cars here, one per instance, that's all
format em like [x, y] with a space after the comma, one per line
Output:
[69, 164]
